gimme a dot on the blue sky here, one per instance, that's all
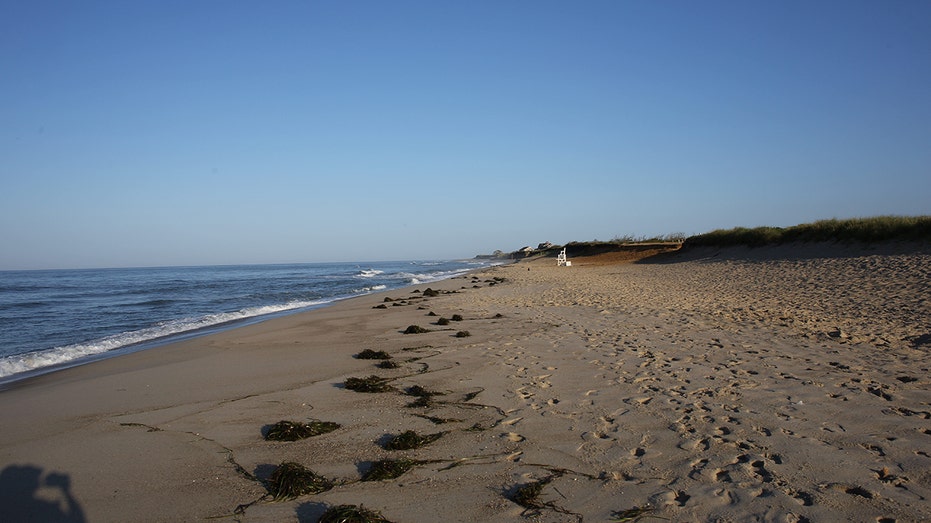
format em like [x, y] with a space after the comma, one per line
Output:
[210, 132]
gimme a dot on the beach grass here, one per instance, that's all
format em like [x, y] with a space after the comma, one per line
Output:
[865, 230]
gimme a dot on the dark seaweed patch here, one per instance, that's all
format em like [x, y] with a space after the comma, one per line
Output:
[291, 480]
[295, 430]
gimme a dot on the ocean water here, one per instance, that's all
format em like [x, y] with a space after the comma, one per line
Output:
[55, 318]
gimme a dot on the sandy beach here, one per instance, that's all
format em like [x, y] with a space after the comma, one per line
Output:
[781, 384]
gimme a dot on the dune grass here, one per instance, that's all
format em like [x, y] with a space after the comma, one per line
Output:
[866, 230]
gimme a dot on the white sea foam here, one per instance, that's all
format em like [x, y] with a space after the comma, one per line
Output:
[369, 273]
[373, 288]
[415, 278]
[63, 355]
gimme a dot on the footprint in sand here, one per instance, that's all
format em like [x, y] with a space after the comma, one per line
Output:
[697, 468]
[671, 498]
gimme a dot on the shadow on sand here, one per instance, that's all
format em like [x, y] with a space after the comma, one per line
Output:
[29, 494]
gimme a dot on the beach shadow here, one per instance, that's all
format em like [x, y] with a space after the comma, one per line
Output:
[310, 512]
[25, 495]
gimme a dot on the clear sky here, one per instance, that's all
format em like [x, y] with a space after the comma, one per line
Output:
[141, 133]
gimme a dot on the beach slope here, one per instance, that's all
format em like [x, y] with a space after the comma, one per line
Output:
[784, 383]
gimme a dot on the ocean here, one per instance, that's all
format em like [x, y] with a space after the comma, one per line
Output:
[56, 318]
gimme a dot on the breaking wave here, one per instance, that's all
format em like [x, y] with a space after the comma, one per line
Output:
[63, 355]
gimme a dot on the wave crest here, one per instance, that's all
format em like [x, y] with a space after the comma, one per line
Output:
[62, 355]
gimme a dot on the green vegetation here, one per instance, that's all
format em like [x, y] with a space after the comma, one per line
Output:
[676, 237]
[867, 230]
[351, 514]
[295, 430]
[291, 480]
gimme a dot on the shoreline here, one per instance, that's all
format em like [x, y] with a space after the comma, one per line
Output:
[710, 388]
[236, 319]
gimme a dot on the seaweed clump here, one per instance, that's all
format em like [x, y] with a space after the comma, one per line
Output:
[463, 334]
[351, 514]
[631, 514]
[389, 469]
[369, 384]
[415, 329]
[369, 354]
[291, 480]
[388, 364]
[409, 440]
[526, 495]
[295, 430]
[424, 396]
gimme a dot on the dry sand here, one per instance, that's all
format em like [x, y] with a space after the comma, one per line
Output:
[773, 384]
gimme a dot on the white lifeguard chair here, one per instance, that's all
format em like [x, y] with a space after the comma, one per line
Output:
[561, 260]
